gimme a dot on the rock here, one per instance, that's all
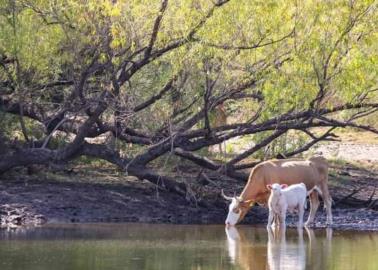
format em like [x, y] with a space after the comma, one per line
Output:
[18, 215]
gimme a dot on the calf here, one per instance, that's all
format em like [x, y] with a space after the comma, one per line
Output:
[283, 198]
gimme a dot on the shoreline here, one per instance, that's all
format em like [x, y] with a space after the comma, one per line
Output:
[335, 227]
[106, 196]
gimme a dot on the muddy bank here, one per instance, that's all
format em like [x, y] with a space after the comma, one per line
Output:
[41, 202]
[86, 196]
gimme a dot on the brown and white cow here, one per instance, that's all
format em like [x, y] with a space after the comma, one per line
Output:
[313, 172]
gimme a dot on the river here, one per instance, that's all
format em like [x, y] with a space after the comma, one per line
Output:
[165, 247]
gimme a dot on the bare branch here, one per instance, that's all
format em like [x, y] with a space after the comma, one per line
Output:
[256, 147]
[155, 29]
[308, 145]
[153, 99]
[259, 44]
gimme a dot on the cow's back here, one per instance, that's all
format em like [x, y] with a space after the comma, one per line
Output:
[284, 171]
[291, 171]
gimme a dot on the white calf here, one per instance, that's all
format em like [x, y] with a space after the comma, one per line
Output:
[283, 198]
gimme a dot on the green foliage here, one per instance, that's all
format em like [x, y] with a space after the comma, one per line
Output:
[56, 40]
[286, 143]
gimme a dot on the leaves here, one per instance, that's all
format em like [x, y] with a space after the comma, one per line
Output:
[292, 51]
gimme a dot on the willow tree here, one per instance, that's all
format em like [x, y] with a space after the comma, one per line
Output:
[131, 81]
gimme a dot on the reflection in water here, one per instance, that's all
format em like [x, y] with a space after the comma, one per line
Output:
[113, 247]
[243, 252]
[279, 253]
[233, 242]
[283, 255]
[319, 252]
[171, 247]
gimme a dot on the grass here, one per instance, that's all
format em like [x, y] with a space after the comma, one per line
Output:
[351, 135]
[358, 137]
[338, 180]
[337, 162]
[337, 166]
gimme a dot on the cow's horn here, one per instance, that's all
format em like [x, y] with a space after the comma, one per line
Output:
[226, 197]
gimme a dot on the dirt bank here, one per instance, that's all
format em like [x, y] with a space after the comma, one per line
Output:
[86, 194]
[94, 196]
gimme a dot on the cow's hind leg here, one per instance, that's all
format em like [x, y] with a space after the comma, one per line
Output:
[314, 204]
[327, 202]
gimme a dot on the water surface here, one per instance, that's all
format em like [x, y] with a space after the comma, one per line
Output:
[145, 246]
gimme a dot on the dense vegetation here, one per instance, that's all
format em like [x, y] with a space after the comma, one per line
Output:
[131, 81]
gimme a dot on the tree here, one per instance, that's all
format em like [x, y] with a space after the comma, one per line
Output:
[149, 73]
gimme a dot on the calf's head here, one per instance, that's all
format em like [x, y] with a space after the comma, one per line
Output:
[236, 210]
[276, 189]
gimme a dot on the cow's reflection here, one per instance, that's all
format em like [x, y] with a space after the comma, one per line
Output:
[233, 243]
[319, 249]
[284, 249]
[244, 252]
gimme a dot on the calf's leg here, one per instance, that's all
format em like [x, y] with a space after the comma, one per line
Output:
[270, 219]
[283, 217]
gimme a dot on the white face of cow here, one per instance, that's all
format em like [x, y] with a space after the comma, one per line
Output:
[234, 213]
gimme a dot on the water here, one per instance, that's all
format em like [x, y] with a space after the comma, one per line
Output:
[136, 246]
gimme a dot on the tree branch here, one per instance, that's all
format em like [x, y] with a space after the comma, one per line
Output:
[155, 29]
[256, 147]
[153, 99]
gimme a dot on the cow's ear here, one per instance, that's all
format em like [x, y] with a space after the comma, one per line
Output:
[284, 186]
[269, 187]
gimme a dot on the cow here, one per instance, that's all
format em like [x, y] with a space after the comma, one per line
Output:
[313, 172]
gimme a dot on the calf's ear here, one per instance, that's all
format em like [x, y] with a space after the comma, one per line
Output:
[269, 187]
[284, 186]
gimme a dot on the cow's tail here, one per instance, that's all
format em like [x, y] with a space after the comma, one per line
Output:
[317, 189]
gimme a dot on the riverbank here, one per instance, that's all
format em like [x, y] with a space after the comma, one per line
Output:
[86, 195]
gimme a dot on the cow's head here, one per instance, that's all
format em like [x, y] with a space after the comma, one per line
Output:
[237, 209]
